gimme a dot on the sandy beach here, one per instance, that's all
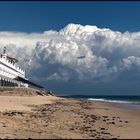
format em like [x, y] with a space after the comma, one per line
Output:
[50, 117]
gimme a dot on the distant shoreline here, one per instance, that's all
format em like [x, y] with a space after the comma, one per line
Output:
[125, 101]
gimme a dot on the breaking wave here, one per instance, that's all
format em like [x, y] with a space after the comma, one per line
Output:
[114, 101]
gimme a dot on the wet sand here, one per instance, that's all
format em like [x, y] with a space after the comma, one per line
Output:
[49, 117]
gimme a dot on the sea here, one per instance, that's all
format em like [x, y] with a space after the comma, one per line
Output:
[132, 102]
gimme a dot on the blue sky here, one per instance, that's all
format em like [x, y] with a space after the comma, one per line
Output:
[40, 16]
[116, 67]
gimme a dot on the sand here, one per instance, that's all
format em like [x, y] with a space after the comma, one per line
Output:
[23, 103]
[50, 117]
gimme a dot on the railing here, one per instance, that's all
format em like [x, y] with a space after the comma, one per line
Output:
[6, 62]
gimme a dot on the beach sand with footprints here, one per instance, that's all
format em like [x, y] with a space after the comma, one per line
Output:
[51, 117]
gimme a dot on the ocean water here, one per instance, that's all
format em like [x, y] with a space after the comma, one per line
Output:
[121, 101]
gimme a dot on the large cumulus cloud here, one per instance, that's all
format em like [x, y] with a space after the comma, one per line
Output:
[76, 53]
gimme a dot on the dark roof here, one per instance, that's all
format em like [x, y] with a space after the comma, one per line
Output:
[27, 81]
[8, 57]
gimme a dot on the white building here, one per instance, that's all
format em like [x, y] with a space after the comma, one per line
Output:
[11, 75]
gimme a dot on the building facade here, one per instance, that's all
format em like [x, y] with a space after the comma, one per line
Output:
[11, 75]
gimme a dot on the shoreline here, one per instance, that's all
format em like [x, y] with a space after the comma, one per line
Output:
[51, 117]
[126, 104]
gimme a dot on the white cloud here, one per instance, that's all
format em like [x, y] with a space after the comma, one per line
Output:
[131, 61]
[56, 55]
